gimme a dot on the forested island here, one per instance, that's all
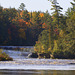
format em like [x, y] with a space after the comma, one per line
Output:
[52, 35]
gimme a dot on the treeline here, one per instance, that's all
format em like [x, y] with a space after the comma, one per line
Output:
[20, 27]
[53, 34]
[58, 37]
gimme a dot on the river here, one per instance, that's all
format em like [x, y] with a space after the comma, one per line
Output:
[22, 65]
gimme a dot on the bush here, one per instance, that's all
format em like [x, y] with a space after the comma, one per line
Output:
[58, 54]
[4, 56]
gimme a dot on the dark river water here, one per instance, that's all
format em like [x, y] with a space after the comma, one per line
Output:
[21, 65]
[36, 72]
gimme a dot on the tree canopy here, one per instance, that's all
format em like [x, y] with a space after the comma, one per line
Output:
[52, 34]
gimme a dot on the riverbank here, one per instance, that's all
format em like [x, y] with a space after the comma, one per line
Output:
[36, 72]
[4, 56]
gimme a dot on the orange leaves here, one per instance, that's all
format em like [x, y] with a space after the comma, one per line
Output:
[41, 15]
[13, 20]
[55, 30]
[44, 25]
[17, 14]
[21, 21]
[27, 23]
[37, 42]
[21, 13]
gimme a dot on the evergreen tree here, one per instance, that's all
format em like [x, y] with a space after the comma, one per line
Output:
[71, 10]
[56, 14]
[22, 6]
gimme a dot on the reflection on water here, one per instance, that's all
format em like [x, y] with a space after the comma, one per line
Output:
[36, 72]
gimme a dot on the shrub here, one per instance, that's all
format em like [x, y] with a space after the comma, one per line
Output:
[4, 56]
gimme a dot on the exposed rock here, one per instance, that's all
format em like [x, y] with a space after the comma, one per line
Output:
[71, 63]
[43, 55]
[33, 55]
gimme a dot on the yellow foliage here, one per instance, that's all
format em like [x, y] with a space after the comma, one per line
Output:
[55, 45]
[42, 47]
[34, 14]
[41, 15]
[21, 13]
[18, 14]
[61, 33]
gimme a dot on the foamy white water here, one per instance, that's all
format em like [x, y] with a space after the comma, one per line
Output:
[21, 62]
[37, 64]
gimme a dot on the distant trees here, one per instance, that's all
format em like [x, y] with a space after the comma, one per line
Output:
[52, 34]
[19, 27]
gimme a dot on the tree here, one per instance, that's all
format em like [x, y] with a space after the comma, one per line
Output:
[71, 10]
[12, 13]
[42, 44]
[4, 24]
[73, 6]
[26, 16]
[22, 6]
[67, 42]
[36, 25]
[56, 14]
[1, 8]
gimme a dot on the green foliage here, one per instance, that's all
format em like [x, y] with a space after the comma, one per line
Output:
[60, 39]
[71, 10]
[58, 54]
[43, 44]
[54, 34]
[4, 56]
[26, 16]
[18, 28]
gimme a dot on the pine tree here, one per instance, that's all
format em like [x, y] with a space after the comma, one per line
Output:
[71, 10]
[22, 6]
[73, 6]
[56, 14]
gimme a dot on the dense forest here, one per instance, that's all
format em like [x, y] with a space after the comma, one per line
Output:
[20, 27]
[52, 34]
[58, 36]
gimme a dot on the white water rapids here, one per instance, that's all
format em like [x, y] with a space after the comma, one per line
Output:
[22, 62]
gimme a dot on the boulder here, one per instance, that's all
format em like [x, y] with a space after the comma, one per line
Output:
[33, 55]
[43, 55]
